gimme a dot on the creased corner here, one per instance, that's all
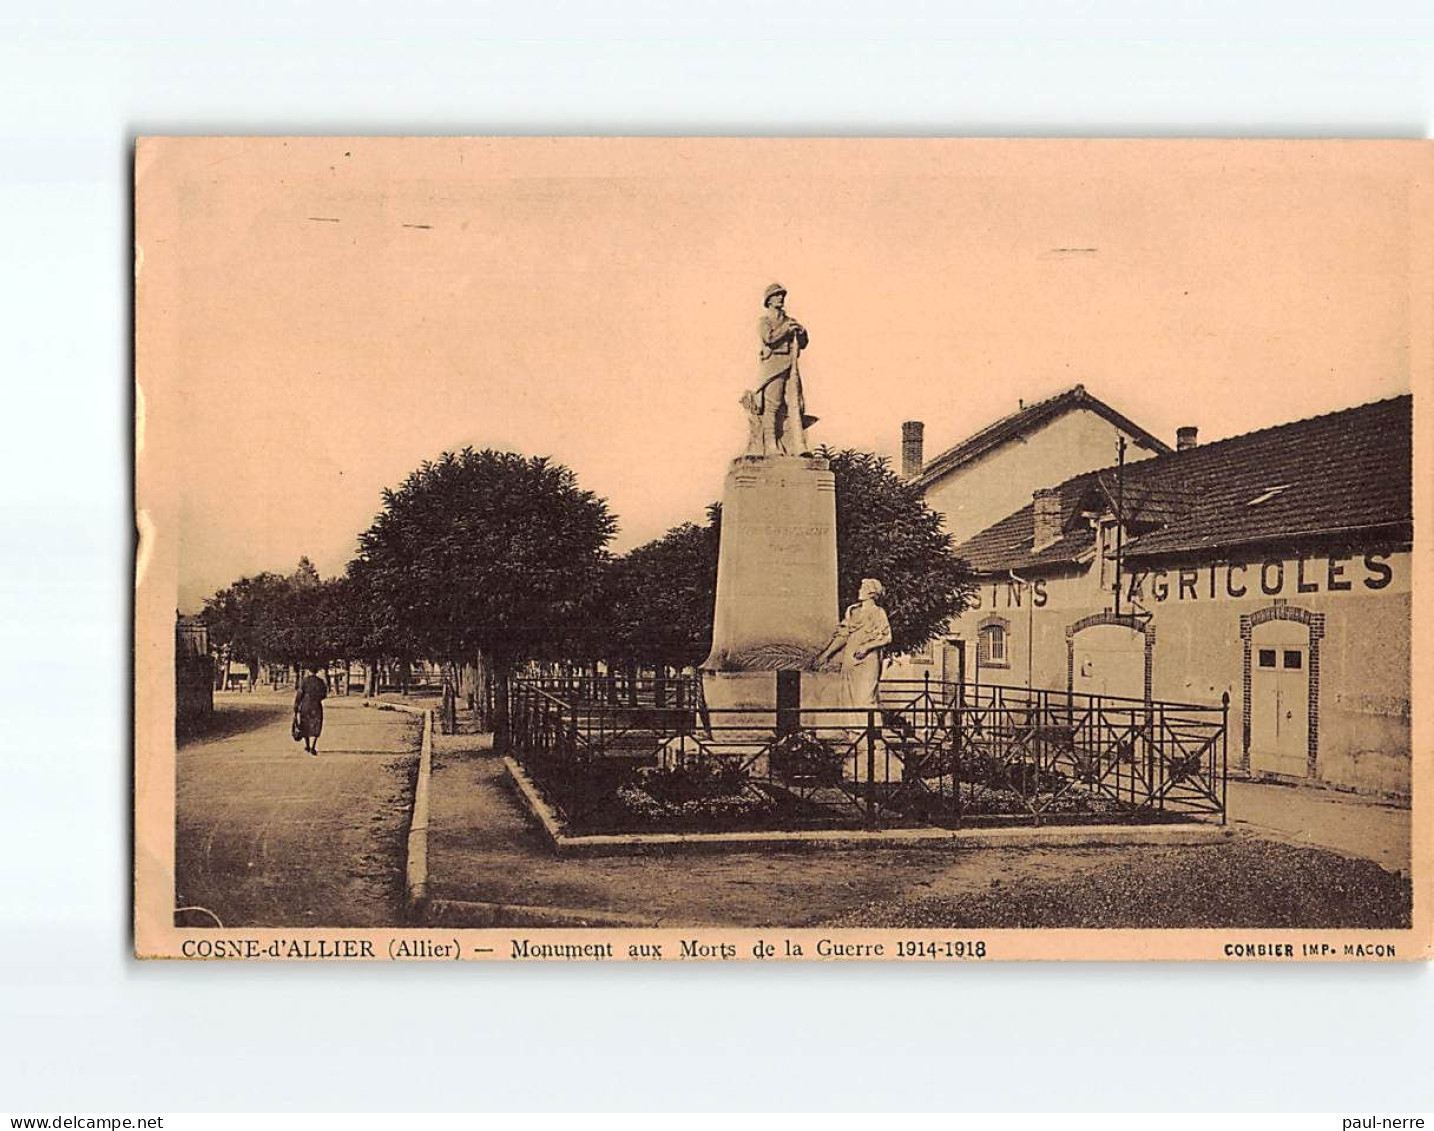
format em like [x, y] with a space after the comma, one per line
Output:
[144, 526]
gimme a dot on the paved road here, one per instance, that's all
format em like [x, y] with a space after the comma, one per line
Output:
[269, 836]
[1353, 826]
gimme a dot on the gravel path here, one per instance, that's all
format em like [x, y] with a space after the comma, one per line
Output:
[269, 836]
[1240, 883]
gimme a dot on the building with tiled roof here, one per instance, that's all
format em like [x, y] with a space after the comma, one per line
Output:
[1273, 567]
[989, 473]
[1346, 474]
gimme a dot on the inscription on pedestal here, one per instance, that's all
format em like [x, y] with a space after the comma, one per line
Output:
[776, 574]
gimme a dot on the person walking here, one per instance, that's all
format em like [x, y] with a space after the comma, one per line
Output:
[309, 709]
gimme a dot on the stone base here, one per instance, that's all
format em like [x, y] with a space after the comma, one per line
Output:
[752, 693]
[777, 569]
[743, 710]
[751, 697]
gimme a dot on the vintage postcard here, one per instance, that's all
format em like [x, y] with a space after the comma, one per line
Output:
[753, 550]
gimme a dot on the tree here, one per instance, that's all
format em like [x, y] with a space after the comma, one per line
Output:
[885, 530]
[243, 617]
[659, 598]
[485, 551]
[297, 618]
[311, 625]
[370, 625]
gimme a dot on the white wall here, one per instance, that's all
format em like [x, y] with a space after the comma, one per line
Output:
[1002, 481]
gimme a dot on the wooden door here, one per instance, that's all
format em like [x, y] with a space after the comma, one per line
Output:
[1280, 698]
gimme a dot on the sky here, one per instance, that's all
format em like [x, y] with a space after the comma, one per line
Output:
[318, 316]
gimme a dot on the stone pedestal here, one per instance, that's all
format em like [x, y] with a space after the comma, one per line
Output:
[777, 567]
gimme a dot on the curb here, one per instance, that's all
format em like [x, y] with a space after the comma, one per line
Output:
[466, 913]
[1066, 836]
[415, 873]
[533, 802]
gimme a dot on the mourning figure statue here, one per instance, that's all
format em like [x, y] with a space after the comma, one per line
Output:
[861, 641]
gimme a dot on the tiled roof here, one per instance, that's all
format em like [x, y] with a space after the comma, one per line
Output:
[1027, 419]
[1346, 473]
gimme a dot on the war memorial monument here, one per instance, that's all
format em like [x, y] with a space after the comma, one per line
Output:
[776, 638]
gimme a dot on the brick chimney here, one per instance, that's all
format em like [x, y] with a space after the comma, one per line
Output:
[1047, 505]
[912, 435]
[1185, 438]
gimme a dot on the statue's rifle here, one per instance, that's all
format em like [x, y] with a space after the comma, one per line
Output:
[795, 398]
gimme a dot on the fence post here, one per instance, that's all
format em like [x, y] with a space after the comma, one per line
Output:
[871, 768]
[684, 721]
[1224, 755]
[789, 698]
[1156, 755]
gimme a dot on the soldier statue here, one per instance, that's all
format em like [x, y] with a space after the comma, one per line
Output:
[776, 408]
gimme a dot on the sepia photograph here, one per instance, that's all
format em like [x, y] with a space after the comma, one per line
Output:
[802, 558]
[753, 549]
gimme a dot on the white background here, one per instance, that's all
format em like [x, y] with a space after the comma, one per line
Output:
[84, 1028]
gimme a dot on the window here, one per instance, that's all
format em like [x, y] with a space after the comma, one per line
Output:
[1267, 494]
[993, 646]
[1294, 660]
[1267, 657]
[1107, 553]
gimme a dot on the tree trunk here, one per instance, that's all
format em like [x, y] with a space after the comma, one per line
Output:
[502, 738]
[470, 686]
[486, 691]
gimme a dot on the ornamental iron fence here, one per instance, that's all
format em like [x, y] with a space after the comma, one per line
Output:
[620, 755]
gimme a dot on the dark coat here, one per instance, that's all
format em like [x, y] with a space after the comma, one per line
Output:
[309, 706]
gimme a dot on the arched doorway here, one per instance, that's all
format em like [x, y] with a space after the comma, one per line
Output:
[1281, 721]
[1110, 655]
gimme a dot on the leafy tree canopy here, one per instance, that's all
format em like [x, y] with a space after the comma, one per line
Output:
[659, 599]
[885, 530]
[242, 616]
[296, 618]
[486, 550]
